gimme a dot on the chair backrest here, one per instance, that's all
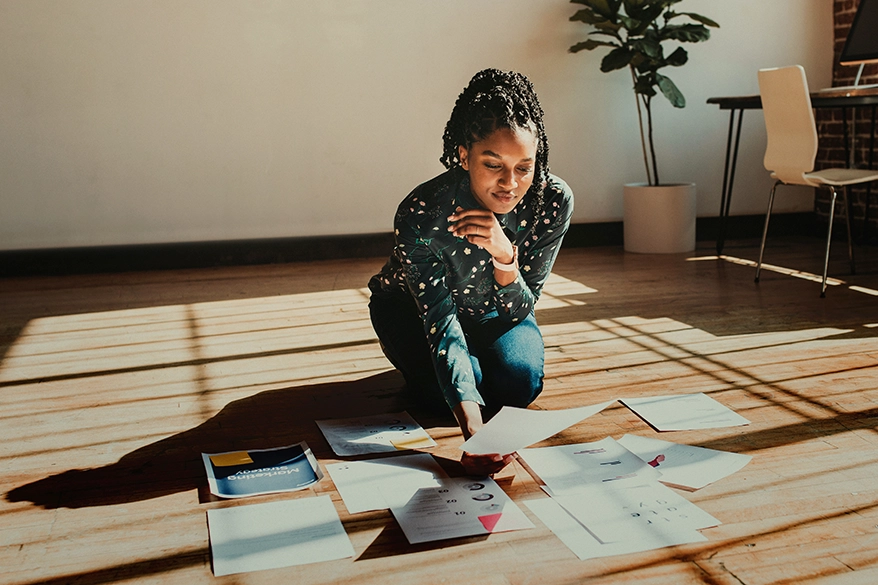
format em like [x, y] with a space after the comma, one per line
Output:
[789, 123]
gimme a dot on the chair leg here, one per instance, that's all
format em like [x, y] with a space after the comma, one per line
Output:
[765, 229]
[828, 239]
[847, 219]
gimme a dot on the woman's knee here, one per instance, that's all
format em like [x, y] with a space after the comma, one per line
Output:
[524, 382]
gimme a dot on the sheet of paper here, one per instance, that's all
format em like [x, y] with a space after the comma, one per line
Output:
[685, 466]
[363, 485]
[375, 434]
[237, 474]
[512, 428]
[566, 468]
[645, 511]
[684, 412]
[585, 546]
[276, 534]
[458, 507]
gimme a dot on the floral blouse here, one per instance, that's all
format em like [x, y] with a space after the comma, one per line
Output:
[448, 277]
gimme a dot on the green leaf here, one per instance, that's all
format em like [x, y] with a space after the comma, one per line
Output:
[602, 7]
[607, 26]
[629, 23]
[677, 58]
[687, 33]
[670, 91]
[644, 86]
[588, 16]
[648, 47]
[618, 58]
[698, 18]
[646, 16]
[643, 65]
[633, 6]
[590, 45]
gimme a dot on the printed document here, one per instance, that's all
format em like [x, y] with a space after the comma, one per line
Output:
[375, 434]
[586, 546]
[567, 468]
[458, 507]
[684, 466]
[643, 512]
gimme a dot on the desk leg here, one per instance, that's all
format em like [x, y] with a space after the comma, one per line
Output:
[728, 177]
[865, 235]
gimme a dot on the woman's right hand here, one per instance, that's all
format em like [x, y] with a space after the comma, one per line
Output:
[482, 465]
[469, 416]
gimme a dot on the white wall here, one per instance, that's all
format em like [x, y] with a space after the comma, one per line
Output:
[135, 121]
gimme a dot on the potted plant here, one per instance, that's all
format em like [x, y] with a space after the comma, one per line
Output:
[635, 31]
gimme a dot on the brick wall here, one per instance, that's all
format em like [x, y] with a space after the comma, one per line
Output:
[830, 127]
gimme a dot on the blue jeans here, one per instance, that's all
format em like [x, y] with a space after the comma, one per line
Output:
[507, 358]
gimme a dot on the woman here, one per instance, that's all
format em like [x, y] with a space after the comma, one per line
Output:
[454, 305]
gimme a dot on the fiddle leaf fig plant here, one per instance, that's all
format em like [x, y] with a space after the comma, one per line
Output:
[635, 31]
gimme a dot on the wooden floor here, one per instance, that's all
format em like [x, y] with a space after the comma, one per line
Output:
[112, 385]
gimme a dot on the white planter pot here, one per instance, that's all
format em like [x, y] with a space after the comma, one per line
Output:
[659, 220]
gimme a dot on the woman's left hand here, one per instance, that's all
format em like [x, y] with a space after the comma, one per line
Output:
[480, 227]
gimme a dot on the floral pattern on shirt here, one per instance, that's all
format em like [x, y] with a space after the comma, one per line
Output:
[448, 277]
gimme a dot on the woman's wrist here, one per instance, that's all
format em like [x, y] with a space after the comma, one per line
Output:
[509, 266]
[469, 416]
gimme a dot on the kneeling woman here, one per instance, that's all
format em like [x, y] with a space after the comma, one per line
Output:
[454, 305]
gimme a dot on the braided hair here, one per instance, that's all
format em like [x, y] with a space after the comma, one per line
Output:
[497, 99]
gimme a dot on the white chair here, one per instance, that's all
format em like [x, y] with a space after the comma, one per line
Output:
[792, 148]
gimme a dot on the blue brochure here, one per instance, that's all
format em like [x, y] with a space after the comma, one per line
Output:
[237, 474]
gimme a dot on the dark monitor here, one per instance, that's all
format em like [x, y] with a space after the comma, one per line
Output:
[861, 45]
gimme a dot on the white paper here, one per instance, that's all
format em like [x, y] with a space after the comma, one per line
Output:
[643, 512]
[684, 412]
[459, 507]
[566, 468]
[585, 546]
[685, 466]
[375, 434]
[276, 534]
[513, 428]
[364, 485]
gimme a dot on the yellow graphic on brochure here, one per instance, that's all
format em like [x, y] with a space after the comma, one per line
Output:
[229, 459]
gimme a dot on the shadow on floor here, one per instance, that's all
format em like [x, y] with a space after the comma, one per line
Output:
[268, 419]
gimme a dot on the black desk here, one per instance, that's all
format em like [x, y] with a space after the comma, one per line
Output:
[842, 98]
